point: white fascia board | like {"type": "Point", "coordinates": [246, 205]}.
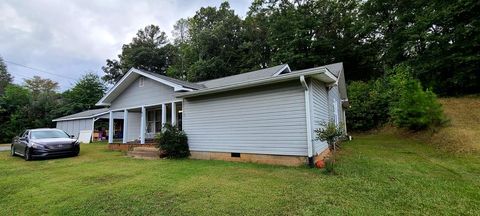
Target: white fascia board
{"type": "Point", "coordinates": [101, 102]}
{"type": "Point", "coordinates": [269, 80]}
{"type": "Point", "coordinates": [77, 118]}
{"type": "Point", "coordinates": [281, 70]}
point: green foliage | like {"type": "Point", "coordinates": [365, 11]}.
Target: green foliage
{"type": "Point", "coordinates": [148, 50]}
{"type": "Point", "coordinates": [398, 98]}
{"type": "Point", "coordinates": [84, 95]}
{"type": "Point", "coordinates": [330, 133]}
{"type": "Point", "coordinates": [329, 166]}
{"type": "Point", "coordinates": [439, 40]}
{"type": "Point", "coordinates": [369, 105]}
{"type": "Point", "coordinates": [33, 105]}
{"type": "Point", "coordinates": [5, 77]}
{"type": "Point", "coordinates": [173, 142]}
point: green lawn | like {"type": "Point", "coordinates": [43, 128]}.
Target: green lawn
{"type": "Point", "coordinates": [378, 175]}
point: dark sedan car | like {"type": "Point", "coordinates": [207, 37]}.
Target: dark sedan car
{"type": "Point", "coordinates": [44, 143]}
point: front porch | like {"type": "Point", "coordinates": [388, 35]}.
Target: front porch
{"type": "Point", "coordinates": [141, 124]}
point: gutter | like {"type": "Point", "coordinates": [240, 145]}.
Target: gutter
{"type": "Point", "coordinates": [308, 115]}
{"type": "Point", "coordinates": [269, 80]}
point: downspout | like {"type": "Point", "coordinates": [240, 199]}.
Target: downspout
{"type": "Point", "coordinates": [308, 120]}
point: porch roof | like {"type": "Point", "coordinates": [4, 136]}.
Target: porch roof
{"type": "Point", "coordinates": [84, 115]}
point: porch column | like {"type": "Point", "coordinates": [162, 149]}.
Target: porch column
{"type": "Point", "coordinates": [143, 123]}
{"type": "Point", "coordinates": [111, 128]}
{"type": "Point", "coordinates": [164, 115]}
{"type": "Point", "coordinates": [125, 126]}
{"type": "Point", "coordinates": [174, 114]}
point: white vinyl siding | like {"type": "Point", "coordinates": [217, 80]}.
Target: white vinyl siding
{"type": "Point", "coordinates": [320, 113]}
{"type": "Point", "coordinates": [152, 92]}
{"type": "Point", "coordinates": [335, 105]}
{"type": "Point", "coordinates": [73, 127]}
{"type": "Point", "coordinates": [261, 120]}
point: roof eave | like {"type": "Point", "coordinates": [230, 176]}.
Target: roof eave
{"type": "Point", "coordinates": [176, 87]}
{"type": "Point", "coordinates": [316, 72]}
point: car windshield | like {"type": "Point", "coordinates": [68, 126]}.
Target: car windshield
{"type": "Point", "coordinates": [42, 134]}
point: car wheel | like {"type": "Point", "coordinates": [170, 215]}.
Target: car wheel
{"type": "Point", "coordinates": [27, 155]}
{"type": "Point", "coordinates": [12, 151]}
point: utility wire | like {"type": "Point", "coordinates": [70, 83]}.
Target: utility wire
{"type": "Point", "coordinates": [36, 69]}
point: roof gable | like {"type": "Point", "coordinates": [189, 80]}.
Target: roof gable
{"type": "Point", "coordinates": [133, 74]}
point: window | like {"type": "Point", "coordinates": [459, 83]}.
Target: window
{"type": "Point", "coordinates": [158, 120]}
{"type": "Point", "coordinates": [335, 111]}
{"type": "Point", "coordinates": [150, 121]}
{"type": "Point", "coordinates": [141, 82]}
{"type": "Point", "coordinates": [154, 121]}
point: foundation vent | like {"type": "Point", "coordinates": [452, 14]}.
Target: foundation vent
{"type": "Point", "coordinates": [235, 154]}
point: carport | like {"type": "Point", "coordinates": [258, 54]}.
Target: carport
{"type": "Point", "coordinates": [95, 120]}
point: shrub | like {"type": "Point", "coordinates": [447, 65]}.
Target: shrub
{"type": "Point", "coordinates": [417, 109]}
{"type": "Point", "coordinates": [398, 98]}
{"type": "Point", "coordinates": [173, 142]}
{"type": "Point", "coordinates": [331, 133]}
{"type": "Point", "coordinates": [411, 107]}
{"type": "Point", "coordinates": [368, 105]}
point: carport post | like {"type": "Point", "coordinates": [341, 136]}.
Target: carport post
{"type": "Point", "coordinates": [125, 126]}
{"type": "Point", "coordinates": [174, 114]}
{"type": "Point", "coordinates": [110, 128]}
{"type": "Point", "coordinates": [164, 115]}
{"type": "Point", "coordinates": [142, 125]}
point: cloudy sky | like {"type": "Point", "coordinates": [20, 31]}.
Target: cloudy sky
{"type": "Point", "coordinates": [62, 39]}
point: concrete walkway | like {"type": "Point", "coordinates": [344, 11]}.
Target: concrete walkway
{"type": "Point", "coordinates": [4, 147]}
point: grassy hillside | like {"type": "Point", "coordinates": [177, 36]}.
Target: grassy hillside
{"type": "Point", "coordinates": [462, 132]}
{"type": "Point", "coordinates": [463, 129]}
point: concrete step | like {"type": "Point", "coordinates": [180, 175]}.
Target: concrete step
{"type": "Point", "coordinates": [144, 155]}
{"type": "Point", "coordinates": [145, 149]}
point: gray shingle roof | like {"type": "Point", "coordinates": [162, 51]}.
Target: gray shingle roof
{"type": "Point", "coordinates": [176, 81]}
{"type": "Point", "coordinates": [243, 77]}
{"type": "Point", "coordinates": [84, 114]}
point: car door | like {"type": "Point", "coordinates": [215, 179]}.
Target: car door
{"type": "Point", "coordinates": [22, 143]}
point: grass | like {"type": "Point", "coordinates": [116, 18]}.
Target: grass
{"type": "Point", "coordinates": [461, 132]}
{"type": "Point", "coordinates": [378, 175]}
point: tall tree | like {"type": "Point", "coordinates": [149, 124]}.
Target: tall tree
{"type": "Point", "coordinates": [39, 85]}
{"type": "Point", "coordinates": [147, 51]}
{"type": "Point", "coordinates": [84, 95]}
{"type": "Point", "coordinates": [14, 111]}
{"type": "Point", "coordinates": [214, 43]}
{"type": "Point", "coordinates": [44, 102]}
{"type": "Point", "coordinates": [5, 77]}
{"type": "Point", "coordinates": [440, 40]}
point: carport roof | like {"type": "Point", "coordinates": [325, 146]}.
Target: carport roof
{"type": "Point", "coordinates": [84, 115]}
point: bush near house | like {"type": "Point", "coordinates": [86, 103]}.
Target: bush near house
{"type": "Point", "coordinates": [173, 142]}
{"type": "Point", "coordinates": [397, 98]}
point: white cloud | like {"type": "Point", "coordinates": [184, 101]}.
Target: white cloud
{"type": "Point", "coordinates": [73, 37]}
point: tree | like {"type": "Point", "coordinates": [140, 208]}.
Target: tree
{"type": "Point", "coordinates": [44, 102]}
{"type": "Point", "coordinates": [213, 48]}
{"type": "Point", "coordinates": [39, 85]}
{"type": "Point", "coordinates": [147, 51]}
{"type": "Point", "coordinates": [84, 95]}
{"type": "Point", "coordinates": [440, 40]}
{"type": "Point", "coordinates": [14, 111]}
{"type": "Point", "coordinates": [5, 77]}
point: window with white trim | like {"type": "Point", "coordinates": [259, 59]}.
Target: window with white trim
{"type": "Point", "coordinates": [141, 82]}
{"type": "Point", "coordinates": [335, 111]}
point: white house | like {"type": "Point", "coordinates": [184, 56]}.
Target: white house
{"type": "Point", "coordinates": [267, 115]}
